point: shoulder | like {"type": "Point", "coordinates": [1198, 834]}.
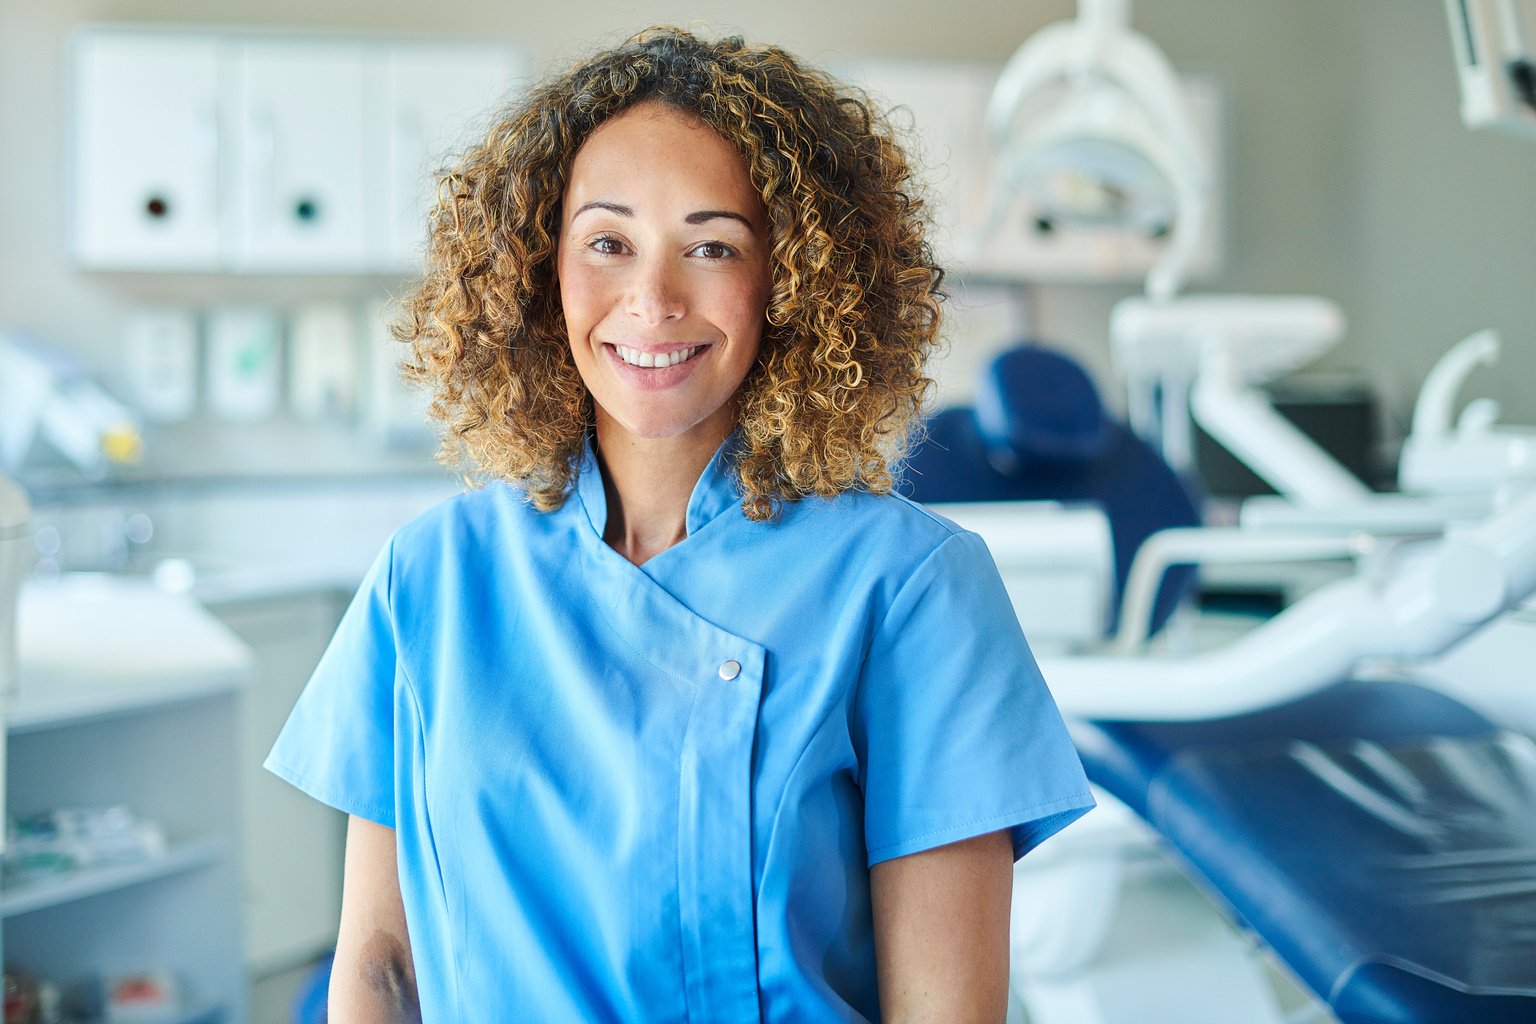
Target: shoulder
{"type": "Point", "coordinates": [467, 525]}
{"type": "Point", "coordinates": [891, 534]}
{"type": "Point", "coordinates": [884, 514]}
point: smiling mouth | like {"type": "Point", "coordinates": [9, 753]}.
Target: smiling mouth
{"type": "Point", "coordinates": [656, 360]}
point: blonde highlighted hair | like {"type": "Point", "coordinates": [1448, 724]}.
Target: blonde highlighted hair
{"type": "Point", "coordinates": [839, 381]}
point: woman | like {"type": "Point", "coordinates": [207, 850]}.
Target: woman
{"type": "Point", "coordinates": [682, 716]}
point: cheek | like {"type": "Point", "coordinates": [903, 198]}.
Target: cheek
{"type": "Point", "coordinates": [747, 306]}
{"type": "Point", "coordinates": [580, 297]}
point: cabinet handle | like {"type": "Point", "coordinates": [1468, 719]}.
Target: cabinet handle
{"type": "Point", "coordinates": [213, 167]}
{"type": "Point", "coordinates": [263, 136]}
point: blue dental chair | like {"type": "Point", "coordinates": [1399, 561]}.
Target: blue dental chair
{"type": "Point", "coordinates": [1038, 432]}
{"type": "Point", "coordinates": [1378, 837]}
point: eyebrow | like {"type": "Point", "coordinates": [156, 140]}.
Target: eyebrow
{"type": "Point", "coordinates": [696, 217]}
{"type": "Point", "coordinates": [602, 204]}
{"type": "Point", "coordinates": [700, 216]}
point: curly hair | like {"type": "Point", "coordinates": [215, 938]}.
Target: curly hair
{"type": "Point", "coordinates": [839, 382]}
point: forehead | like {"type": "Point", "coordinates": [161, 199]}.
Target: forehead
{"type": "Point", "coordinates": [656, 151]}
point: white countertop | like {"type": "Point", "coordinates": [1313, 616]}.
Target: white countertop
{"type": "Point", "coordinates": [95, 645]}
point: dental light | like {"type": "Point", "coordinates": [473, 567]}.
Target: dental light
{"type": "Point", "coordinates": [1091, 132]}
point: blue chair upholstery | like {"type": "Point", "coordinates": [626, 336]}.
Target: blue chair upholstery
{"type": "Point", "coordinates": [1380, 837]}
{"type": "Point", "coordinates": [1037, 408]}
{"type": "Point", "coordinates": [1039, 432]}
{"type": "Point", "coordinates": [950, 462]}
{"type": "Point", "coordinates": [311, 1003]}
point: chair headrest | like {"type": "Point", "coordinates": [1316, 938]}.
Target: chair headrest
{"type": "Point", "coordinates": [1036, 405]}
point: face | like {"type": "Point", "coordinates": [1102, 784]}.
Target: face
{"type": "Point", "coordinates": [664, 275]}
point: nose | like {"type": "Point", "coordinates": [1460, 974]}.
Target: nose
{"type": "Point", "coordinates": [656, 294]}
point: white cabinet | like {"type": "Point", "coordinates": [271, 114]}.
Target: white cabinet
{"type": "Point", "coordinates": [147, 136]}
{"type": "Point", "coordinates": [267, 153]}
{"type": "Point", "coordinates": [438, 96]}
{"type": "Point", "coordinates": [300, 173]}
{"type": "Point", "coordinates": [131, 697]}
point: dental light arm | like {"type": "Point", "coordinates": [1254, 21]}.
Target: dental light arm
{"type": "Point", "coordinates": [1427, 602]}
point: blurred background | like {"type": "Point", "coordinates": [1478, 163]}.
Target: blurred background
{"type": "Point", "coordinates": [206, 208]}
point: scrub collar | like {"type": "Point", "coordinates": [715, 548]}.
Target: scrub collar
{"type": "Point", "coordinates": [715, 492]}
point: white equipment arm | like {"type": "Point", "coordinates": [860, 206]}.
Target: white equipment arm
{"type": "Point", "coordinates": [1228, 345]}
{"type": "Point", "coordinates": [1432, 413]}
{"type": "Point", "coordinates": [1248, 426]}
{"type": "Point", "coordinates": [1206, 546]}
{"type": "Point", "coordinates": [1421, 608]}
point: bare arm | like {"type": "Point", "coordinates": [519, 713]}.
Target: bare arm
{"type": "Point", "coordinates": [941, 932]}
{"type": "Point", "coordinates": [373, 980]}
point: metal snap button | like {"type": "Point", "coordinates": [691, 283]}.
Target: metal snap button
{"type": "Point", "coordinates": [730, 670]}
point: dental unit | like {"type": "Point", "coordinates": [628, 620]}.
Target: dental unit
{"type": "Point", "coordinates": [1345, 782]}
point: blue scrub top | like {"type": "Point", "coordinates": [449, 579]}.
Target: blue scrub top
{"type": "Point", "coordinates": [654, 793]}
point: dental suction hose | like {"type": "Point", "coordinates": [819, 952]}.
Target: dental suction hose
{"type": "Point", "coordinates": [1432, 596]}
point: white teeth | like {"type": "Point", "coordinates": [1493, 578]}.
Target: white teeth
{"type": "Point", "coordinates": [634, 357]}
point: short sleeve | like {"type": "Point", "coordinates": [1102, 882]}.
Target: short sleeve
{"type": "Point", "coordinates": [338, 743]}
{"type": "Point", "coordinates": [956, 732]}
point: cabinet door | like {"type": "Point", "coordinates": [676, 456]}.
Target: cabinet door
{"type": "Point", "coordinates": [300, 114]}
{"type": "Point", "coordinates": [440, 99]}
{"type": "Point", "coordinates": [145, 151]}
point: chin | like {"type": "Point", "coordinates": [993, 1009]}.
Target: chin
{"type": "Point", "coordinates": [663, 427]}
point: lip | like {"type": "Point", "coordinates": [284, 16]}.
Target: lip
{"type": "Point", "coordinates": [653, 378]}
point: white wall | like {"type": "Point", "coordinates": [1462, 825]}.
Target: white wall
{"type": "Point", "coordinates": [1351, 173]}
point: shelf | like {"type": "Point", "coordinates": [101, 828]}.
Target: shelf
{"type": "Point", "coordinates": [76, 705]}
{"type": "Point", "coordinates": [78, 885]}
{"type": "Point", "coordinates": [204, 456]}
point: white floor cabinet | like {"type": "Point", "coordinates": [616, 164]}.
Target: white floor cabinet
{"type": "Point", "coordinates": [132, 699]}
{"type": "Point", "coordinates": [294, 845]}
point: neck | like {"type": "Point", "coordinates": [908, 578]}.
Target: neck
{"type": "Point", "coordinates": [649, 482]}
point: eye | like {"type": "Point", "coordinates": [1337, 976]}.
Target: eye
{"type": "Point", "coordinates": [607, 245]}
{"type": "Point", "coordinates": [713, 250]}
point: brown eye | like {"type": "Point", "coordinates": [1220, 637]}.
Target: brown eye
{"type": "Point", "coordinates": [608, 245]}
{"type": "Point", "coordinates": [714, 250]}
